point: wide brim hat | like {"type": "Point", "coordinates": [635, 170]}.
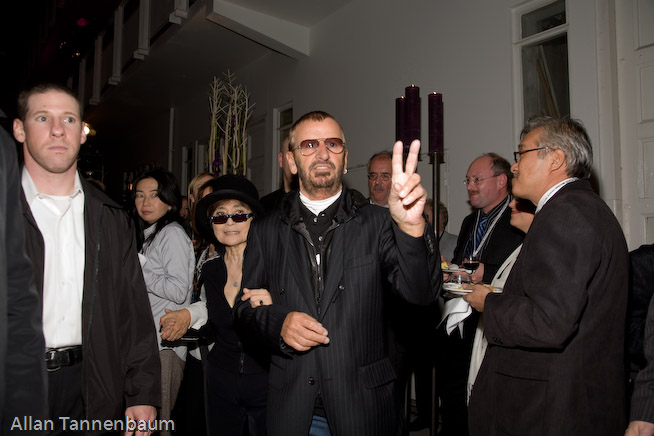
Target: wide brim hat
{"type": "Point", "coordinates": [227, 187]}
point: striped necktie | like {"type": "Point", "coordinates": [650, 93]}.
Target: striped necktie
{"type": "Point", "coordinates": [481, 228]}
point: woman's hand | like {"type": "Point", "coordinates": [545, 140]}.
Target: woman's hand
{"type": "Point", "coordinates": [258, 297]}
{"type": "Point", "coordinates": [174, 324]}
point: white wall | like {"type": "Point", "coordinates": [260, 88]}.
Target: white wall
{"type": "Point", "coordinates": [364, 55]}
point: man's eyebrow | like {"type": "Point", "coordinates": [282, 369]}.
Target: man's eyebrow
{"type": "Point", "coordinates": [44, 111]}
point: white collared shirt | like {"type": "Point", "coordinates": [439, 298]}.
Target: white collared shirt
{"type": "Point", "coordinates": [61, 222]}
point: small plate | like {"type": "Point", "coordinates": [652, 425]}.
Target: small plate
{"type": "Point", "coordinates": [457, 290]}
{"type": "Point", "coordinates": [454, 288]}
{"type": "Point", "coordinates": [452, 269]}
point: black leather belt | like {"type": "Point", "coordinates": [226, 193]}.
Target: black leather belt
{"type": "Point", "coordinates": [55, 358]}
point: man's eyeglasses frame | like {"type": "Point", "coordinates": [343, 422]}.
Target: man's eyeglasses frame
{"type": "Point", "coordinates": [334, 145]}
{"type": "Point", "coordinates": [476, 180]}
{"type": "Point", "coordinates": [517, 154]}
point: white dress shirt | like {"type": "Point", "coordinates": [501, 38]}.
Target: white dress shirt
{"type": "Point", "coordinates": [61, 222]}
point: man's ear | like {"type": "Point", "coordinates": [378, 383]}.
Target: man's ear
{"type": "Point", "coordinates": [19, 131]}
{"type": "Point", "coordinates": [82, 137]}
{"type": "Point", "coordinates": [502, 181]}
{"type": "Point", "coordinates": [290, 158]}
{"type": "Point", "coordinates": [557, 159]}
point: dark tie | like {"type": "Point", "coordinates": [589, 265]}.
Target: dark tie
{"type": "Point", "coordinates": [481, 228]}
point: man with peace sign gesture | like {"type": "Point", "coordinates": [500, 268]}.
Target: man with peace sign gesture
{"type": "Point", "coordinates": [323, 256]}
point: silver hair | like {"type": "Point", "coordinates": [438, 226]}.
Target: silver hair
{"type": "Point", "coordinates": [567, 135]}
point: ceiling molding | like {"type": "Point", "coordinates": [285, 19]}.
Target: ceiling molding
{"type": "Point", "coordinates": [280, 35]}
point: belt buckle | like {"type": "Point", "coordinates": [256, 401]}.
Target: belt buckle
{"type": "Point", "coordinates": [50, 355]}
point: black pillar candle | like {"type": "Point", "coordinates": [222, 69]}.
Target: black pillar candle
{"type": "Point", "coordinates": [412, 115]}
{"type": "Point", "coordinates": [400, 119]}
{"type": "Point", "coordinates": [435, 109]}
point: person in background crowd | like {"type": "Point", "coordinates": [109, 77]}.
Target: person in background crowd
{"type": "Point", "coordinates": [185, 215]}
{"type": "Point", "coordinates": [167, 261]}
{"type": "Point", "coordinates": [642, 401]}
{"type": "Point", "coordinates": [400, 317]}
{"type": "Point", "coordinates": [446, 241]}
{"type": "Point", "coordinates": [189, 412]}
{"type": "Point", "coordinates": [23, 389]}
{"type": "Point", "coordinates": [487, 237]}
{"type": "Point", "coordinates": [101, 350]}
{"type": "Point", "coordinates": [556, 334]}
{"type": "Point", "coordinates": [522, 215]}
{"type": "Point", "coordinates": [379, 178]}
{"type": "Point", "coordinates": [194, 186]}
{"type": "Point", "coordinates": [289, 180]}
{"type": "Point", "coordinates": [641, 290]}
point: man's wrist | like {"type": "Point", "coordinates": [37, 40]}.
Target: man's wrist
{"type": "Point", "coordinates": [415, 230]}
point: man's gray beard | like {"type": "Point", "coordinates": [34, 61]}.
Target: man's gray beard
{"type": "Point", "coordinates": [331, 185]}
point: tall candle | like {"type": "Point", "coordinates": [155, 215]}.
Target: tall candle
{"type": "Point", "coordinates": [412, 114]}
{"type": "Point", "coordinates": [400, 119]}
{"type": "Point", "coordinates": [435, 109]}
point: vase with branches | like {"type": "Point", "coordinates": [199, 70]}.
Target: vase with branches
{"type": "Point", "coordinates": [230, 110]}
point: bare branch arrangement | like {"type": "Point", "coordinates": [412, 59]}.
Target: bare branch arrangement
{"type": "Point", "coordinates": [230, 110]}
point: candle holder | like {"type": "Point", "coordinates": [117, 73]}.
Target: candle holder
{"type": "Point", "coordinates": [436, 149]}
{"type": "Point", "coordinates": [407, 128]}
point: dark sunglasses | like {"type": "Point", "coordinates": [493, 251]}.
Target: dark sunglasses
{"type": "Point", "coordinates": [236, 217]}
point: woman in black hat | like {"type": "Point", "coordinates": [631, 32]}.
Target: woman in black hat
{"type": "Point", "coordinates": [236, 371]}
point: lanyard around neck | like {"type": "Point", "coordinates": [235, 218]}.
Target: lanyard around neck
{"type": "Point", "coordinates": [489, 229]}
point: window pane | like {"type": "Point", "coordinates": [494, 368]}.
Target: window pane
{"type": "Point", "coordinates": [286, 117]}
{"type": "Point", "coordinates": [545, 78]}
{"type": "Point", "coordinates": [543, 18]}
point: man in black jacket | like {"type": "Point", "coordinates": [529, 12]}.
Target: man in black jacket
{"type": "Point", "coordinates": [101, 352]}
{"type": "Point", "coordinates": [324, 256]}
{"type": "Point", "coordinates": [22, 370]}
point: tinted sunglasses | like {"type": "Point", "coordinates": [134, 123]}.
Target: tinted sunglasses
{"type": "Point", "coordinates": [310, 146]}
{"type": "Point", "coordinates": [236, 217]}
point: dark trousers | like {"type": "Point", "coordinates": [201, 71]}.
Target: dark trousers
{"type": "Point", "coordinates": [452, 366]}
{"type": "Point", "coordinates": [234, 400]}
{"type": "Point", "coordinates": [65, 397]}
{"type": "Point", "coordinates": [399, 357]}
{"type": "Point", "coordinates": [188, 413]}
{"type": "Point", "coordinates": [423, 366]}
{"type": "Point", "coordinates": [410, 343]}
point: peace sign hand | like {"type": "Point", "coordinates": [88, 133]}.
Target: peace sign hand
{"type": "Point", "coordinates": [407, 198]}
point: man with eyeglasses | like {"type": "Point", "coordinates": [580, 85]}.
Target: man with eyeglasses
{"type": "Point", "coordinates": [379, 178]}
{"type": "Point", "coordinates": [324, 256]}
{"type": "Point", "coordinates": [407, 325]}
{"type": "Point", "coordinates": [555, 358]}
{"type": "Point", "coordinates": [488, 238]}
